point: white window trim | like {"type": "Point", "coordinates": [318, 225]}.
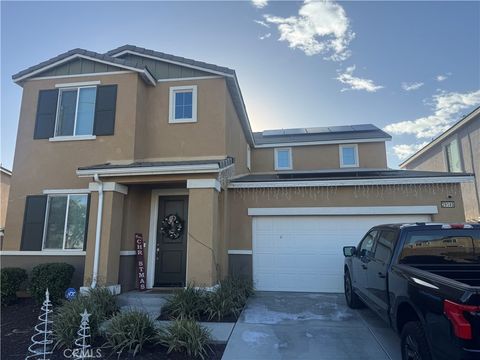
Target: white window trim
{"type": "Point", "coordinates": [78, 84]}
{"type": "Point", "coordinates": [249, 157]}
{"type": "Point", "coordinates": [71, 137]}
{"type": "Point", "coordinates": [47, 211]}
{"type": "Point", "coordinates": [290, 161]}
{"type": "Point", "coordinates": [171, 106]}
{"type": "Point", "coordinates": [340, 149]}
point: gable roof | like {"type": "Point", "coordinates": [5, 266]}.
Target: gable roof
{"type": "Point", "coordinates": [475, 114]}
{"type": "Point", "coordinates": [319, 135]}
{"type": "Point", "coordinates": [90, 55]}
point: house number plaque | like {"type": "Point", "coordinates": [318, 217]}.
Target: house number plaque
{"type": "Point", "coordinates": [447, 204]}
{"type": "Point", "coordinates": [142, 286]}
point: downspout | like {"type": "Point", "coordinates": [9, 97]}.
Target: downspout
{"type": "Point", "coordinates": [98, 232]}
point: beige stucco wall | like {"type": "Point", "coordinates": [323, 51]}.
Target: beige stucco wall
{"type": "Point", "coordinates": [236, 143]}
{"type": "Point", "coordinates": [42, 164]}
{"type": "Point", "coordinates": [434, 159]}
{"type": "Point", "coordinates": [157, 138]}
{"type": "Point", "coordinates": [240, 224]}
{"type": "Point", "coordinates": [321, 157]}
{"type": "Point", "coordinates": [4, 190]}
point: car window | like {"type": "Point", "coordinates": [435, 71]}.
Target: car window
{"type": "Point", "coordinates": [441, 247]}
{"type": "Point", "coordinates": [385, 244]}
{"type": "Point", "coordinates": [366, 246]}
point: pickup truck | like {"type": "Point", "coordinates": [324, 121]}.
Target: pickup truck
{"type": "Point", "coordinates": [424, 280]}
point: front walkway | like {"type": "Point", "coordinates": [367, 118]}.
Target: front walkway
{"type": "Point", "coordinates": [309, 326]}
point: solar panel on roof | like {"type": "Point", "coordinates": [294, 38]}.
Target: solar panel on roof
{"type": "Point", "coordinates": [364, 127]}
{"type": "Point", "coordinates": [272, 132]}
{"type": "Point", "coordinates": [317, 130]}
{"type": "Point", "coordinates": [340, 128]}
{"type": "Point", "coordinates": [295, 131]}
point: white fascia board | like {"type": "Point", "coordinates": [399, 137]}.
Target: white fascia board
{"type": "Point", "coordinates": [351, 182]}
{"type": "Point", "coordinates": [43, 253]}
{"type": "Point", "coordinates": [30, 74]}
{"type": "Point", "coordinates": [81, 75]}
{"type": "Point", "coordinates": [171, 62]}
{"type": "Point", "coordinates": [66, 191]}
{"type": "Point", "coordinates": [153, 170]}
{"type": "Point", "coordinates": [204, 184]}
{"type": "Point", "coordinates": [240, 252]}
{"type": "Point", "coordinates": [326, 142]}
{"type": "Point", "coordinates": [353, 210]}
{"type": "Point", "coordinates": [109, 186]}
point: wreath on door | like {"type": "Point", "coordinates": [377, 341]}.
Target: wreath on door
{"type": "Point", "coordinates": [172, 226]}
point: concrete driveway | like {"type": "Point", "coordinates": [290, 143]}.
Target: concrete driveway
{"type": "Point", "coordinates": [278, 325]}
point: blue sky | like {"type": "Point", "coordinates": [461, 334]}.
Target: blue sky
{"type": "Point", "coordinates": [411, 68]}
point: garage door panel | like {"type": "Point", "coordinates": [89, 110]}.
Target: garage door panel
{"type": "Point", "coordinates": [304, 253]}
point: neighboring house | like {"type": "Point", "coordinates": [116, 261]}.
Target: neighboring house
{"type": "Point", "coordinates": [457, 150]}
{"type": "Point", "coordinates": [5, 176]}
{"type": "Point", "coordinates": [138, 141]}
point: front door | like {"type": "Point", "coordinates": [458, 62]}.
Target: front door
{"type": "Point", "coordinates": [171, 250]}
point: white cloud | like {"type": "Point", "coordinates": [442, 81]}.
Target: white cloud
{"type": "Point", "coordinates": [403, 151]}
{"type": "Point", "coordinates": [266, 36]}
{"type": "Point", "coordinates": [356, 83]}
{"type": "Point", "coordinates": [263, 23]}
{"type": "Point", "coordinates": [320, 28]}
{"type": "Point", "coordinates": [442, 77]}
{"type": "Point", "coordinates": [412, 86]}
{"type": "Point", "coordinates": [260, 4]}
{"type": "Point", "coordinates": [446, 109]}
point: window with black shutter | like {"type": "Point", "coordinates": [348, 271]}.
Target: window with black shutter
{"type": "Point", "coordinates": [105, 110]}
{"type": "Point", "coordinates": [33, 223]}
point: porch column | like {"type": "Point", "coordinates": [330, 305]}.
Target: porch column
{"type": "Point", "coordinates": [110, 238]}
{"type": "Point", "coordinates": [203, 231]}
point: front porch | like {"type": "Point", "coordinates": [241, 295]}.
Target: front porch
{"type": "Point", "coordinates": [181, 218]}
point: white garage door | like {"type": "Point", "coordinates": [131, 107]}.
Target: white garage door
{"type": "Point", "coordinates": [304, 253]}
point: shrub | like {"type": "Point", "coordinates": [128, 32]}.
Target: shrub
{"type": "Point", "coordinates": [186, 303]}
{"type": "Point", "coordinates": [229, 299]}
{"type": "Point", "coordinates": [99, 302]}
{"type": "Point", "coordinates": [186, 335]}
{"type": "Point", "coordinates": [129, 331]}
{"type": "Point", "coordinates": [11, 281]}
{"type": "Point", "coordinates": [54, 276]}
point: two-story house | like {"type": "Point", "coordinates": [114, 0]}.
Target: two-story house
{"type": "Point", "coordinates": [138, 141]}
{"type": "Point", "coordinates": [456, 150]}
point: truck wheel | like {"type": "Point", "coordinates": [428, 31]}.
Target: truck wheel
{"type": "Point", "coordinates": [414, 342]}
{"type": "Point", "coordinates": [353, 301]}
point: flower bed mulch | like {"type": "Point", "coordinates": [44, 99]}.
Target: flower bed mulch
{"type": "Point", "coordinates": [18, 320]}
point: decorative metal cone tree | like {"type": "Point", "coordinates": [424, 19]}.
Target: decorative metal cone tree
{"type": "Point", "coordinates": [82, 343]}
{"type": "Point", "coordinates": [42, 340]}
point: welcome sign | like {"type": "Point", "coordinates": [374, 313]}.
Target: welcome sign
{"type": "Point", "coordinates": [142, 285]}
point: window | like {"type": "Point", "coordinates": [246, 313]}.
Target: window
{"type": "Point", "coordinates": [283, 159]}
{"type": "Point", "coordinates": [349, 155]}
{"type": "Point", "coordinates": [76, 111]}
{"type": "Point", "coordinates": [366, 247]}
{"type": "Point", "coordinates": [452, 155]}
{"type": "Point", "coordinates": [385, 244]}
{"type": "Point", "coordinates": [65, 222]}
{"type": "Point", "coordinates": [249, 157]}
{"type": "Point", "coordinates": [183, 104]}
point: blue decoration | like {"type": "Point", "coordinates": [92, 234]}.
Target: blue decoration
{"type": "Point", "coordinates": [70, 293]}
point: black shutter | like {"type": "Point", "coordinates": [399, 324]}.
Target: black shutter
{"type": "Point", "coordinates": [46, 114]}
{"type": "Point", "coordinates": [33, 222]}
{"type": "Point", "coordinates": [87, 217]}
{"type": "Point", "coordinates": [105, 105]}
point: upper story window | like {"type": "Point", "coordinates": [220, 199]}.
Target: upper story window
{"type": "Point", "coordinates": [65, 222]}
{"type": "Point", "coordinates": [283, 159]}
{"type": "Point", "coordinates": [183, 104]}
{"type": "Point", "coordinates": [349, 155]}
{"type": "Point", "coordinates": [452, 156]}
{"type": "Point", "coordinates": [76, 111]}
